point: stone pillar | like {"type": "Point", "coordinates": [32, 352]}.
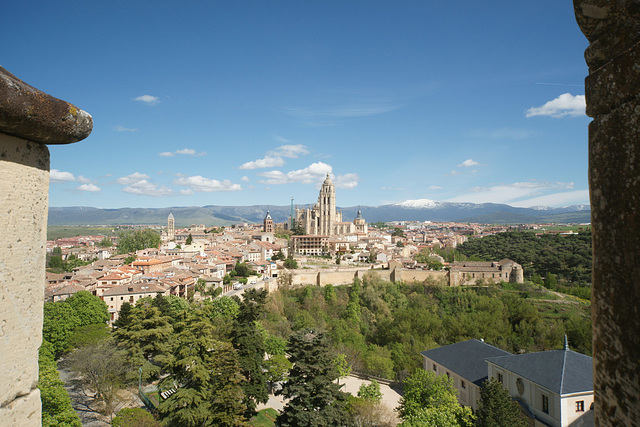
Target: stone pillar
{"type": "Point", "coordinates": [29, 119]}
{"type": "Point", "coordinates": [612, 91]}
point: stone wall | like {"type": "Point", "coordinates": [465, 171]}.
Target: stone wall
{"type": "Point", "coordinates": [612, 90]}
{"type": "Point", "coordinates": [24, 194]}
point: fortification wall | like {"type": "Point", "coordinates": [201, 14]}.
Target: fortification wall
{"type": "Point", "coordinates": [407, 275]}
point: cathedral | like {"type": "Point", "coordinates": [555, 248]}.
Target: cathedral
{"type": "Point", "coordinates": [323, 220]}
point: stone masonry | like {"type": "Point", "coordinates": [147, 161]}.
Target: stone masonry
{"type": "Point", "coordinates": [612, 90]}
{"type": "Point", "coordinates": [29, 119]}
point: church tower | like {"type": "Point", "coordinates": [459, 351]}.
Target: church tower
{"type": "Point", "coordinates": [267, 224]}
{"type": "Point", "coordinates": [171, 227]}
{"type": "Point", "coordinates": [327, 207]}
{"type": "Point", "coordinates": [360, 223]}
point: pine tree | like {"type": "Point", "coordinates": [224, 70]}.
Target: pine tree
{"type": "Point", "coordinates": [496, 409]}
{"type": "Point", "coordinates": [248, 340]}
{"type": "Point", "coordinates": [206, 376]}
{"type": "Point", "coordinates": [314, 397]}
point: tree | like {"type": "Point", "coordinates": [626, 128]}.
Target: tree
{"type": "Point", "coordinates": [278, 256]}
{"type": "Point", "coordinates": [248, 341]}
{"type": "Point", "coordinates": [243, 270]}
{"type": "Point", "coordinates": [89, 308]}
{"type": "Point", "coordinates": [298, 229]}
{"type": "Point", "coordinates": [206, 376]}
{"type": "Point", "coordinates": [124, 316]}
{"type": "Point", "coordinates": [370, 391]}
{"type": "Point", "coordinates": [277, 367]}
{"type": "Point", "coordinates": [495, 407]}
{"type": "Point", "coordinates": [431, 399]}
{"type": "Point", "coordinates": [134, 417]}
{"type": "Point", "coordinates": [342, 366]}
{"type": "Point", "coordinates": [290, 264]}
{"type": "Point", "coordinates": [314, 397]}
{"type": "Point", "coordinates": [106, 242]}
{"type": "Point", "coordinates": [147, 338]}
{"type": "Point", "coordinates": [56, 404]}
{"type": "Point", "coordinates": [60, 319]}
{"type": "Point", "coordinates": [90, 334]}
{"type": "Point", "coordinates": [103, 368]}
{"type": "Point", "coordinates": [135, 240]}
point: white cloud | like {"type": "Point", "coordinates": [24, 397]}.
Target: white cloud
{"type": "Point", "coordinates": [348, 181]}
{"type": "Point", "coordinates": [275, 158]}
{"type": "Point", "coordinates": [435, 187]}
{"type": "Point", "coordinates": [184, 151]}
{"type": "Point", "coordinates": [566, 198]}
{"type": "Point", "coordinates": [245, 178]}
{"type": "Point", "coordinates": [187, 151]}
{"type": "Point", "coordinates": [511, 193]}
{"type": "Point", "coordinates": [133, 178]}
{"type": "Point", "coordinates": [119, 128]}
{"type": "Point", "coordinates": [89, 187]}
{"type": "Point", "coordinates": [148, 99]}
{"type": "Point", "coordinates": [146, 188]}
{"type": "Point", "coordinates": [292, 151]}
{"type": "Point", "coordinates": [186, 192]}
{"type": "Point", "coordinates": [468, 163]}
{"type": "Point", "coordinates": [206, 185]}
{"type": "Point", "coordinates": [312, 174]}
{"type": "Point", "coordinates": [566, 105]}
{"type": "Point", "coordinates": [81, 179]}
{"type": "Point", "coordinates": [267, 162]}
{"type": "Point", "coordinates": [59, 176]}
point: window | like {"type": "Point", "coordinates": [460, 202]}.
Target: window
{"type": "Point", "coordinates": [462, 384]}
{"type": "Point", "coordinates": [435, 368]}
{"type": "Point", "coordinates": [580, 406]}
{"type": "Point", "coordinates": [545, 404]}
{"type": "Point", "coordinates": [111, 298]}
{"type": "Point", "coordinates": [500, 378]}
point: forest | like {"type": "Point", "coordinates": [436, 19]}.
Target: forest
{"type": "Point", "coordinates": [372, 327]}
{"type": "Point", "coordinates": [568, 257]}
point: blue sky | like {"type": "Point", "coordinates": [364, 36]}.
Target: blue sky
{"type": "Point", "coordinates": [253, 102]}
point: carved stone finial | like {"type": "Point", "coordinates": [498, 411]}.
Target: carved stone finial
{"type": "Point", "coordinates": [30, 114]}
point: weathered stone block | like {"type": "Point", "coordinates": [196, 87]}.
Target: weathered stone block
{"type": "Point", "coordinates": [22, 412]}
{"type": "Point", "coordinates": [614, 175]}
{"type": "Point", "coordinates": [23, 206]}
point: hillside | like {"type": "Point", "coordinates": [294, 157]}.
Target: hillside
{"type": "Point", "coordinates": [487, 213]}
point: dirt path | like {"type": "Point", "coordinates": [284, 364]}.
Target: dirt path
{"type": "Point", "coordinates": [81, 399]}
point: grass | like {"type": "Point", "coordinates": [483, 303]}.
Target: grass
{"type": "Point", "coordinates": [62, 231]}
{"type": "Point", "coordinates": [265, 418]}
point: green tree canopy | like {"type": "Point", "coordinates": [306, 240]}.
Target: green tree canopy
{"type": "Point", "coordinates": [431, 399]}
{"type": "Point", "coordinates": [290, 264]}
{"type": "Point", "coordinates": [314, 397]}
{"type": "Point", "coordinates": [206, 375]}
{"type": "Point", "coordinates": [89, 308]}
{"type": "Point", "coordinates": [496, 409]}
{"type": "Point", "coordinates": [135, 240]}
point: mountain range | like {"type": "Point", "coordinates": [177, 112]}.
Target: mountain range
{"type": "Point", "coordinates": [410, 210]}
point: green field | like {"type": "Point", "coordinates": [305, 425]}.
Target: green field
{"type": "Point", "coordinates": [265, 418]}
{"type": "Point", "coordinates": [62, 231]}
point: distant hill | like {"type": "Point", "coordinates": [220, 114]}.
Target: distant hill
{"type": "Point", "coordinates": [410, 210]}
